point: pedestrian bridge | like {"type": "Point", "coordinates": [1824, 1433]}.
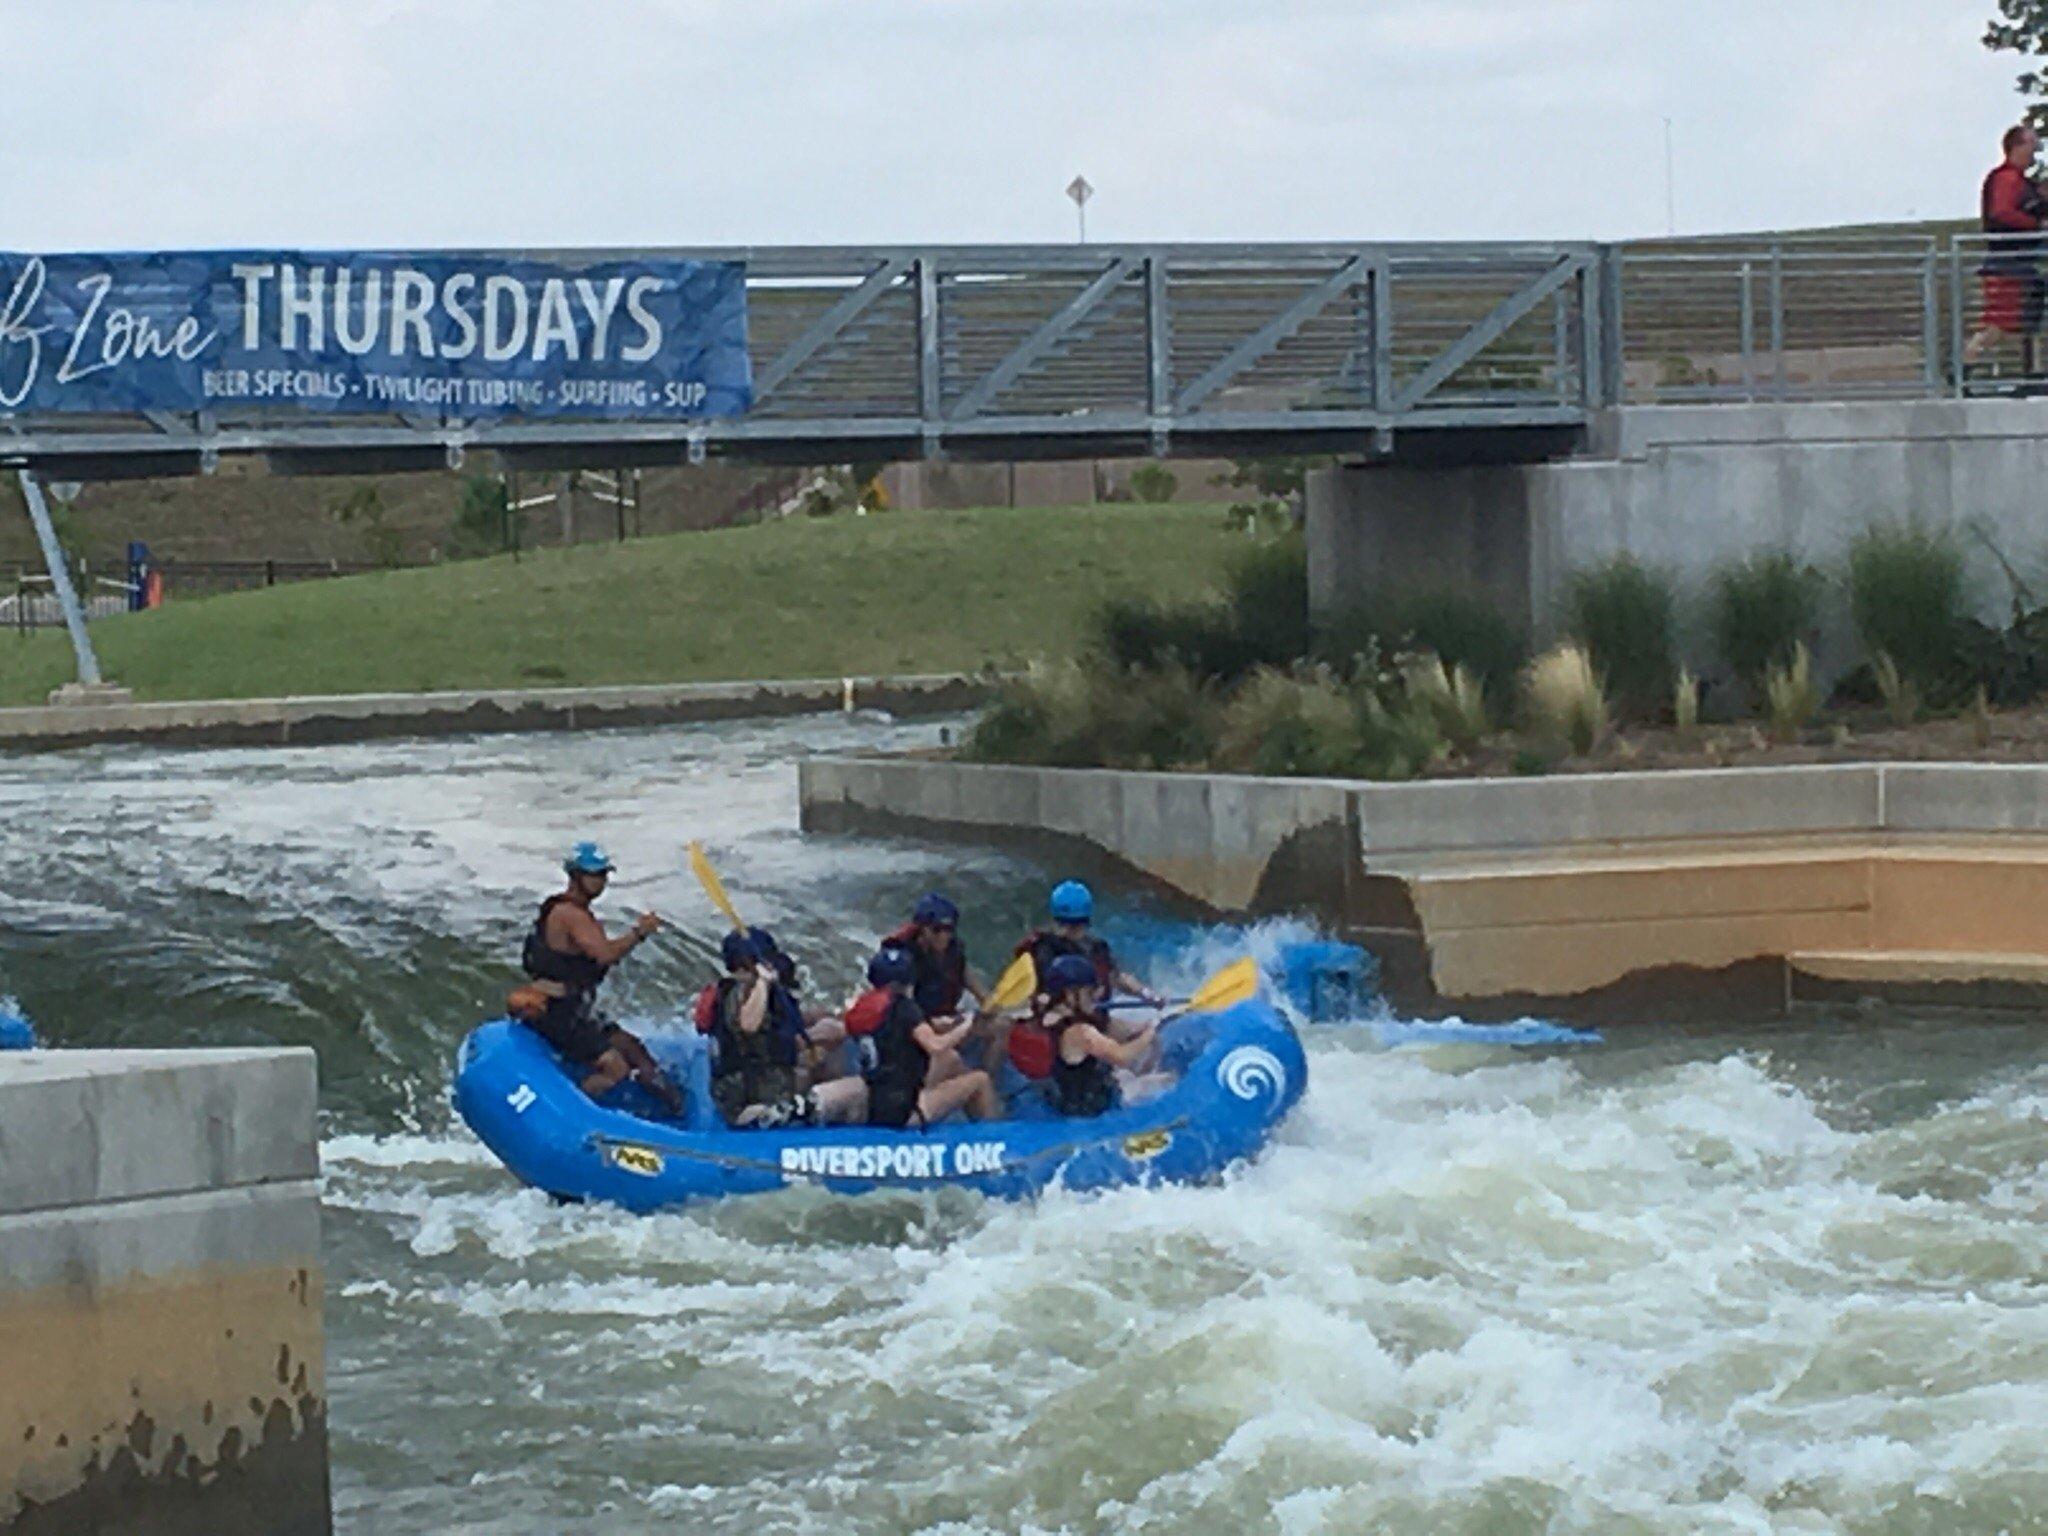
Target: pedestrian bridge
{"type": "Point", "coordinates": [1445, 353]}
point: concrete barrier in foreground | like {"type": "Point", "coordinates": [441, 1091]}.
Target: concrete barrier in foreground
{"type": "Point", "coordinates": [161, 1365]}
{"type": "Point", "coordinates": [316, 719]}
{"type": "Point", "coordinates": [1600, 895]}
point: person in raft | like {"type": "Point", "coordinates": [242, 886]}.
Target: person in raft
{"type": "Point", "coordinates": [567, 956]}
{"type": "Point", "coordinates": [1091, 1071]}
{"type": "Point", "coordinates": [1072, 909]}
{"type": "Point", "coordinates": [820, 1029]}
{"type": "Point", "coordinates": [911, 1063]}
{"type": "Point", "coordinates": [756, 1029]}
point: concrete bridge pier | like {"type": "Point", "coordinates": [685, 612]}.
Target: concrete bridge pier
{"type": "Point", "coordinates": [1687, 489]}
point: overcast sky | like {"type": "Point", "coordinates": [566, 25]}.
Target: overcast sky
{"type": "Point", "coordinates": [356, 123]}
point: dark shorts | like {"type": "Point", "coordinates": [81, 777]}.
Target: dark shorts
{"type": "Point", "coordinates": [735, 1092]}
{"type": "Point", "coordinates": [580, 1034]}
{"type": "Point", "coordinates": [892, 1107]}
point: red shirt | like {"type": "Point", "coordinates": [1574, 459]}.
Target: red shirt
{"type": "Point", "coordinates": [2008, 197]}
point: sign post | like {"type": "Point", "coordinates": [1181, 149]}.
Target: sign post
{"type": "Point", "coordinates": [1079, 190]}
{"type": "Point", "coordinates": [60, 581]}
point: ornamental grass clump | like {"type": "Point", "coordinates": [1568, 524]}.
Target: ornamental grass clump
{"type": "Point", "coordinates": [1901, 698]}
{"type": "Point", "coordinates": [1451, 696]}
{"type": "Point", "coordinates": [1760, 609]}
{"type": "Point", "coordinates": [1460, 628]}
{"type": "Point", "coordinates": [1909, 598]}
{"type": "Point", "coordinates": [1295, 723]}
{"type": "Point", "coordinates": [1791, 700]}
{"type": "Point", "coordinates": [1621, 613]}
{"type": "Point", "coordinates": [1685, 702]}
{"type": "Point", "coordinates": [1567, 701]}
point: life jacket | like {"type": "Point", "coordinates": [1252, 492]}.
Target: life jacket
{"type": "Point", "coordinates": [868, 1011]}
{"type": "Point", "coordinates": [1034, 1044]}
{"type": "Point", "coordinates": [577, 975]}
{"type": "Point", "coordinates": [1081, 1088]}
{"type": "Point", "coordinates": [891, 1060]}
{"type": "Point", "coordinates": [747, 1067]}
{"type": "Point", "coordinates": [941, 979]}
{"type": "Point", "coordinates": [716, 1013]}
{"type": "Point", "coordinates": [1045, 946]}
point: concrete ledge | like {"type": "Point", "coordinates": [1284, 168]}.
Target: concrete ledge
{"type": "Point", "coordinates": [160, 1314]}
{"type": "Point", "coordinates": [1564, 893]}
{"type": "Point", "coordinates": [315, 719]}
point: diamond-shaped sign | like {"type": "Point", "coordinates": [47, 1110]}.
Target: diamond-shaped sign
{"type": "Point", "coordinates": [1079, 190]}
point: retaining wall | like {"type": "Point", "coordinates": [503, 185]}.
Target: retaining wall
{"type": "Point", "coordinates": [160, 1295]}
{"type": "Point", "coordinates": [312, 720]}
{"type": "Point", "coordinates": [1600, 894]}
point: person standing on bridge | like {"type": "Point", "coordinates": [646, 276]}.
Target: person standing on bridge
{"type": "Point", "coordinates": [2011, 206]}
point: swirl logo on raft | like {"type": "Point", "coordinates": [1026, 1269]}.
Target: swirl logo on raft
{"type": "Point", "coordinates": [1252, 1070]}
{"type": "Point", "coordinates": [908, 1161]}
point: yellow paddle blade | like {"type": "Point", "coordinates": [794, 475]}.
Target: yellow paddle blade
{"type": "Point", "coordinates": [1236, 983]}
{"type": "Point", "coordinates": [713, 886]}
{"type": "Point", "coordinates": [1014, 987]}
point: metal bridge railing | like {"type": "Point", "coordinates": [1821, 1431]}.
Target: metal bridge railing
{"type": "Point", "coordinates": [1832, 319]}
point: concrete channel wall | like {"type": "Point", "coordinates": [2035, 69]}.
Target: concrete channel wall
{"type": "Point", "coordinates": [161, 1366]}
{"type": "Point", "coordinates": [313, 720]}
{"type": "Point", "coordinates": [1603, 894]}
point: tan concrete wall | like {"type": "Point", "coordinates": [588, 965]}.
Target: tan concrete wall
{"type": "Point", "coordinates": [160, 1295]}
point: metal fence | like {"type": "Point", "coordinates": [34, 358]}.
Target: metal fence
{"type": "Point", "coordinates": [1828, 318]}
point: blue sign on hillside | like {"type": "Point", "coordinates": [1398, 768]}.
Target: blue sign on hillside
{"type": "Point", "coordinates": [445, 336]}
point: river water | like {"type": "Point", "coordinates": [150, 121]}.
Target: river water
{"type": "Point", "coordinates": [1743, 1279]}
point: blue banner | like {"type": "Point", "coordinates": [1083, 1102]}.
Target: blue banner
{"type": "Point", "coordinates": [447, 336]}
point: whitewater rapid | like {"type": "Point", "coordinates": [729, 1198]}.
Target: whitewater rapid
{"type": "Point", "coordinates": [1733, 1279]}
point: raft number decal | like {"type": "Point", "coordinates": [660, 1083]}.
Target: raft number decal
{"type": "Point", "coordinates": [1252, 1070]}
{"type": "Point", "coordinates": [928, 1160]}
{"type": "Point", "coordinates": [521, 1099]}
{"type": "Point", "coordinates": [644, 1161]}
{"type": "Point", "coordinates": [1145, 1145]}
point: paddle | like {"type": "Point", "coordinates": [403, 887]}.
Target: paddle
{"type": "Point", "coordinates": [713, 886]}
{"type": "Point", "coordinates": [1014, 987]}
{"type": "Point", "coordinates": [1237, 982]}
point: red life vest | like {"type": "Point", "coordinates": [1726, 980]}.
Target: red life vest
{"type": "Point", "coordinates": [869, 1011]}
{"type": "Point", "coordinates": [705, 1014]}
{"type": "Point", "coordinates": [1032, 1049]}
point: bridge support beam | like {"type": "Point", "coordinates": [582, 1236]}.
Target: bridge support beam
{"type": "Point", "coordinates": [1687, 489]}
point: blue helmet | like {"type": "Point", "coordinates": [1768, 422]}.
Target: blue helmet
{"type": "Point", "coordinates": [1072, 902]}
{"type": "Point", "coordinates": [892, 966]}
{"type": "Point", "coordinates": [775, 955]}
{"type": "Point", "coordinates": [739, 950]}
{"type": "Point", "coordinates": [587, 859]}
{"type": "Point", "coordinates": [1069, 972]}
{"type": "Point", "coordinates": [934, 911]}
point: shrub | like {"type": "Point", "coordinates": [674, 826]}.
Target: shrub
{"type": "Point", "coordinates": [1790, 698]}
{"type": "Point", "coordinates": [1567, 701]}
{"type": "Point", "coordinates": [1621, 613]}
{"type": "Point", "coordinates": [1761, 610]}
{"type": "Point", "coordinates": [1154, 483]}
{"type": "Point", "coordinates": [1459, 628]}
{"type": "Point", "coordinates": [1074, 715]}
{"type": "Point", "coordinates": [1291, 723]}
{"type": "Point", "coordinates": [1261, 621]}
{"type": "Point", "coordinates": [1396, 743]}
{"type": "Point", "coordinates": [1907, 595]}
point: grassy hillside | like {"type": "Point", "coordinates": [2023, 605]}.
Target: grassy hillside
{"type": "Point", "coordinates": [896, 592]}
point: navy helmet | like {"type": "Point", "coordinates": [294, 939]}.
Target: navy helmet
{"type": "Point", "coordinates": [892, 966]}
{"type": "Point", "coordinates": [1072, 902]}
{"type": "Point", "coordinates": [739, 951]}
{"type": "Point", "coordinates": [934, 911]}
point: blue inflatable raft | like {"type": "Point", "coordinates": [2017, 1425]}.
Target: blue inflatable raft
{"type": "Point", "coordinates": [16, 1033]}
{"type": "Point", "coordinates": [1241, 1071]}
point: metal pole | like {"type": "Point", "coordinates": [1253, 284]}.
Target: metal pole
{"type": "Point", "coordinates": [1930, 322]}
{"type": "Point", "coordinates": [1956, 322]}
{"type": "Point", "coordinates": [60, 578]}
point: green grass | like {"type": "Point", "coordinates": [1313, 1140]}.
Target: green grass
{"type": "Point", "coordinates": [892, 593]}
